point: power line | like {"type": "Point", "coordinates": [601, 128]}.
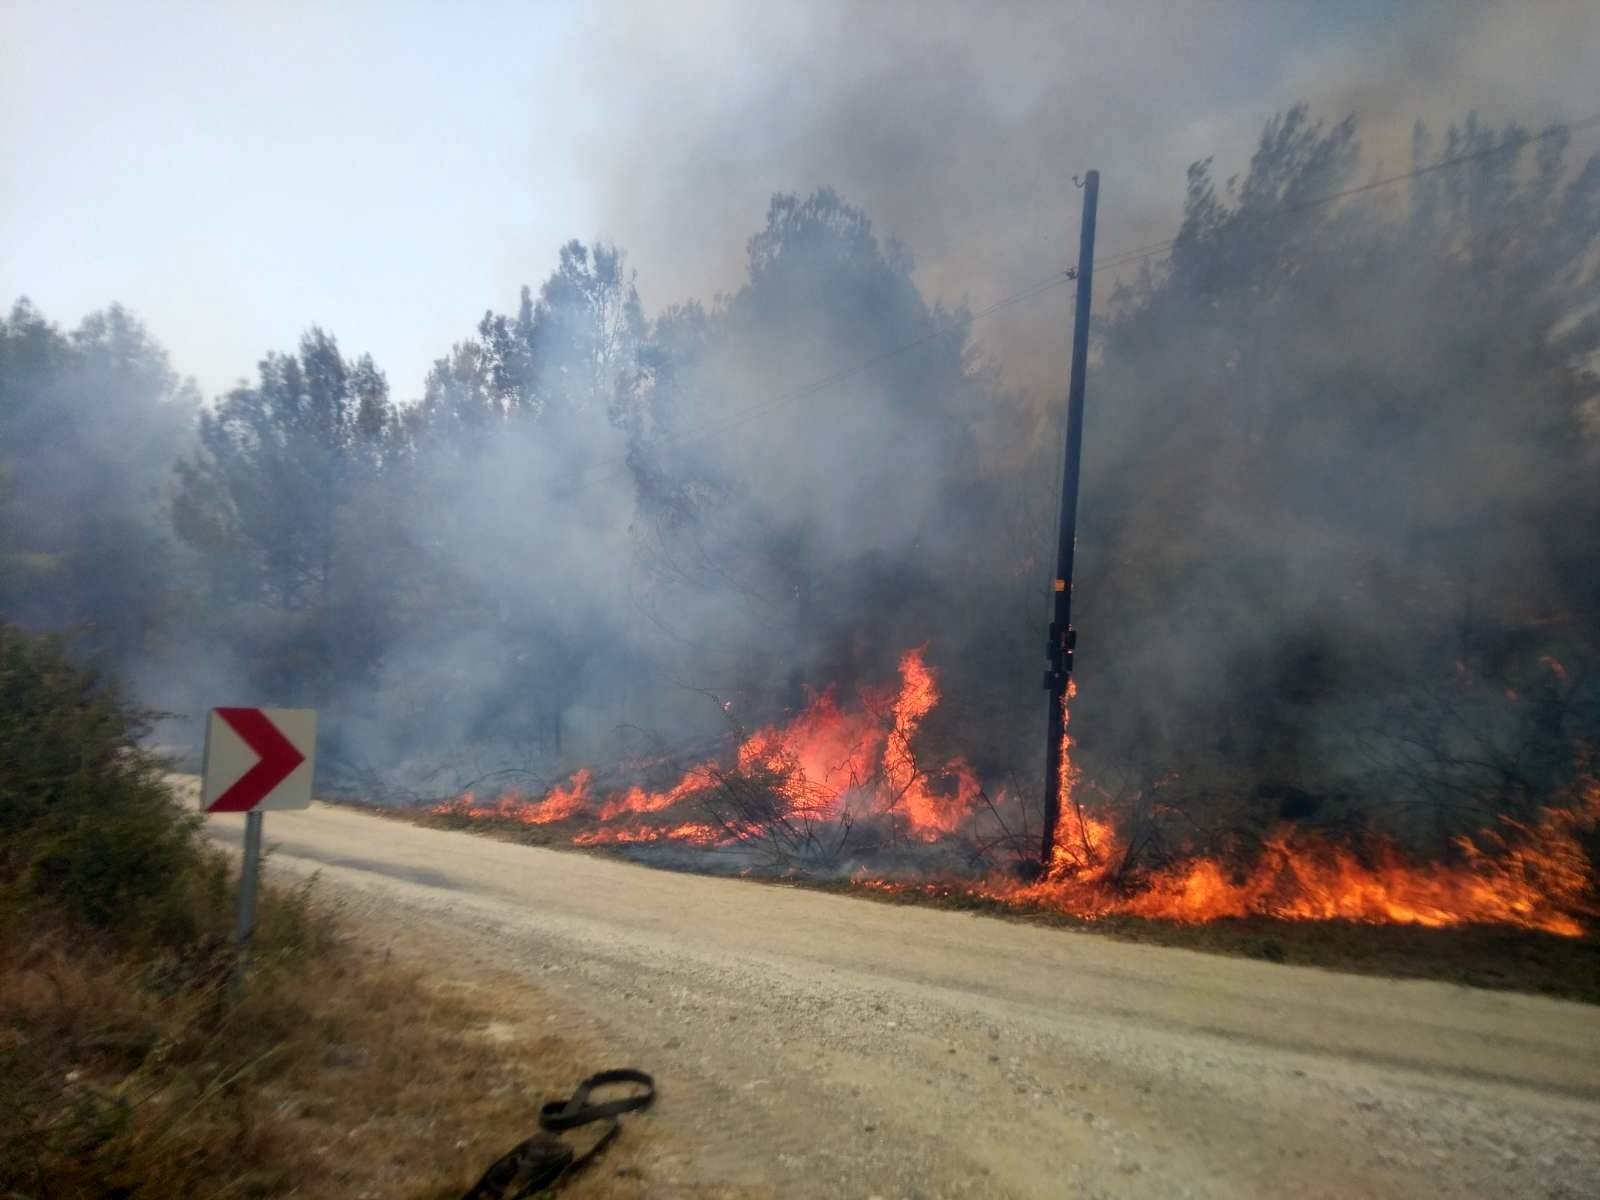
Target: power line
{"type": "Point", "coordinates": [1504, 148]}
{"type": "Point", "coordinates": [1118, 258]}
{"type": "Point", "coordinates": [1153, 248]}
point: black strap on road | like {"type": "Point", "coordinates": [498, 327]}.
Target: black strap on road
{"type": "Point", "coordinates": [543, 1160]}
{"type": "Point", "coordinates": [569, 1114]}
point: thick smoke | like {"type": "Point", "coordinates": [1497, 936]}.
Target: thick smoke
{"type": "Point", "coordinates": [1330, 519]}
{"type": "Point", "coordinates": [1337, 476]}
{"type": "Point", "coordinates": [963, 132]}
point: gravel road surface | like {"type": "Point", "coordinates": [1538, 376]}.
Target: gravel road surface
{"type": "Point", "coordinates": [817, 1045]}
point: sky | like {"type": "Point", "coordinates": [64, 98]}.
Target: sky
{"type": "Point", "coordinates": [236, 173]}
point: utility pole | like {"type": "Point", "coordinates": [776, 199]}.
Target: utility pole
{"type": "Point", "coordinates": [1063, 638]}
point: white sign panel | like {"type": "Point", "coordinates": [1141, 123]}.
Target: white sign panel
{"type": "Point", "coordinates": [258, 759]}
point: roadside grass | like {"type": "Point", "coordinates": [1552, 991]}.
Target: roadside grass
{"type": "Point", "coordinates": [136, 1062]}
{"type": "Point", "coordinates": [330, 1072]}
{"type": "Point", "coordinates": [1483, 956]}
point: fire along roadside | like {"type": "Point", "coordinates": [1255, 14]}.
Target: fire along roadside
{"type": "Point", "coordinates": [256, 759]}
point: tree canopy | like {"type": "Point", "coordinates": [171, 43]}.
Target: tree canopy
{"type": "Point", "coordinates": [1340, 541]}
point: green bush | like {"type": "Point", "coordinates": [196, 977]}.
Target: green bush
{"type": "Point", "coordinates": [85, 819]}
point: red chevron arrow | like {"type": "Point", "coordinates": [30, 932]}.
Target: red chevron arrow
{"type": "Point", "coordinates": [279, 758]}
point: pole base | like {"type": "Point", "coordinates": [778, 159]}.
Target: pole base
{"type": "Point", "coordinates": [1029, 870]}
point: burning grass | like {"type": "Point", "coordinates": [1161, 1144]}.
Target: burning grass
{"type": "Point", "coordinates": [1535, 877]}
{"type": "Point", "coordinates": [840, 783]}
{"type": "Point", "coordinates": [840, 793]}
{"type": "Point", "coordinates": [834, 776]}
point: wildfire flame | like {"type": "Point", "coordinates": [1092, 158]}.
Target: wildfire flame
{"type": "Point", "coordinates": [561, 803]}
{"type": "Point", "coordinates": [1533, 876]}
{"type": "Point", "coordinates": [637, 800]}
{"type": "Point", "coordinates": [819, 762]}
{"type": "Point", "coordinates": [929, 813]}
{"type": "Point", "coordinates": [834, 762]}
{"type": "Point", "coordinates": [623, 836]}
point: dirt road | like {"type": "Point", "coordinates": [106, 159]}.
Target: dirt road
{"type": "Point", "coordinates": [814, 1045]}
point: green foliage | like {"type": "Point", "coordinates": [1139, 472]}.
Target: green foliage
{"type": "Point", "coordinates": [85, 821]}
{"type": "Point", "coordinates": [278, 464]}
{"type": "Point", "coordinates": [557, 362]}
{"type": "Point", "coordinates": [91, 422]}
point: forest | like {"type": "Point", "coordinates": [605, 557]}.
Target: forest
{"type": "Point", "coordinates": [1339, 541]}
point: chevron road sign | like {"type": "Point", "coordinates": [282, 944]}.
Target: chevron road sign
{"type": "Point", "coordinates": [256, 759]}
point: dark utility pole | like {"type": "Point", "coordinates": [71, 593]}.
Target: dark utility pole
{"type": "Point", "coordinates": [1062, 636]}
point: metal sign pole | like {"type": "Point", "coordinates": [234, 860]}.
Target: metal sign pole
{"type": "Point", "coordinates": [256, 759]}
{"type": "Point", "coordinates": [247, 882]}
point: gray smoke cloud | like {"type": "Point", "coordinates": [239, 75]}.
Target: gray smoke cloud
{"type": "Point", "coordinates": [534, 613]}
{"type": "Point", "coordinates": [960, 129]}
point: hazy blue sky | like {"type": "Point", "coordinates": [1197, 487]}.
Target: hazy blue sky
{"type": "Point", "coordinates": [235, 172]}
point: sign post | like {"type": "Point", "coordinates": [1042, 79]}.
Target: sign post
{"type": "Point", "coordinates": [256, 759]}
{"type": "Point", "coordinates": [249, 872]}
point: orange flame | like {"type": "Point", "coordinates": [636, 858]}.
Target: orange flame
{"type": "Point", "coordinates": [624, 836]}
{"type": "Point", "coordinates": [1535, 877]}
{"type": "Point", "coordinates": [1081, 841]}
{"type": "Point", "coordinates": [930, 815]}
{"type": "Point", "coordinates": [637, 800]}
{"type": "Point", "coordinates": [832, 761]}
{"type": "Point", "coordinates": [820, 757]}
{"type": "Point", "coordinates": [820, 760]}
{"type": "Point", "coordinates": [559, 804]}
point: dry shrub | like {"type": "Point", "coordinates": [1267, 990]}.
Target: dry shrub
{"type": "Point", "coordinates": [329, 1071]}
{"type": "Point", "coordinates": [138, 1061]}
